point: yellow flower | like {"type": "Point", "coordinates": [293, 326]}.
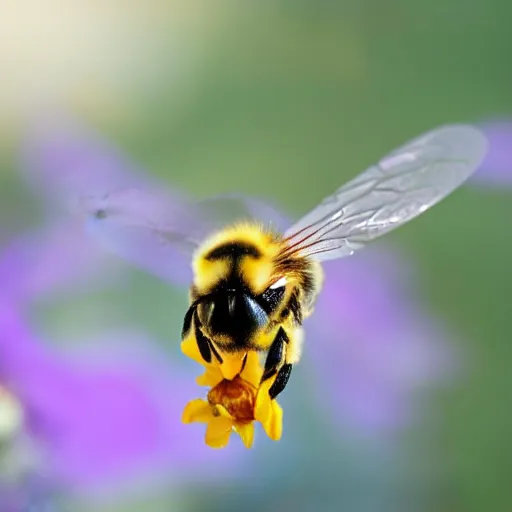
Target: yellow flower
{"type": "Point", "coordinates": [233, 404]}
{"type": "Point", "coordinates": [230, 367]}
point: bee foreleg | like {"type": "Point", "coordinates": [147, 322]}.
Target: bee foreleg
{"type": "Point", "coordinates": [187, 322]}
{"type": "Point", "coordinates": [281, 380]}
{"type": "Point", "coordinates": [275, 354]}
{"type": "Point", "coordinates": [204, 345]}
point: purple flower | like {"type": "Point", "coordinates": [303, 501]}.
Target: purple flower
{"type": "Point", "coordinates": [103, 416]}
{"type": "Point", "coordinates": [496, 169]}
{"type": "Point", "coordinates": [58, 162]}
{"type": "Point", "coordinates": [30, 492]}
{"type": "Point", "coordinates": [373, 347]}
{"type": "Point", "coordinates": [53, 260]}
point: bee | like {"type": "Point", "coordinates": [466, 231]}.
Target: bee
{"type": "Point", "coordinates": [251, 291]}
{"type": "Point", "coordinates": [253, 284]}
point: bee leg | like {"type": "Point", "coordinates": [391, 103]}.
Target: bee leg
{"type": "Point", "coordinates": [202, 342]}
{"type": "Point", "coordinates": [204, 345]}
{"type": "Point", "coordinates": [281, 380]}
{"type": "Point", "coordinates": [187, 322]}
{"type": "Point", "coordinates": [275, 354]}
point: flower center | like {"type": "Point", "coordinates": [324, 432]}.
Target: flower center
{"type": "Point", "coordinates": [237, 396]}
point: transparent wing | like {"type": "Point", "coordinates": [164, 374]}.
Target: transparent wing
{"type": "Point", "coordinates": [145, 228]}
{"type": "Point", "coordinates": [225, 209]}
{"type": "Point", "coordinates": [158, 232]}
{"type": "Point", "coordinates": [124, 209]}
{"type": "Point", "coordinates": [401, 186]}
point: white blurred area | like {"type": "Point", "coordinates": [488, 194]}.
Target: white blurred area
{"type": "Point", "coordinates": [98, 56]}
{"type": "Point", "coordinates": [11, 415]}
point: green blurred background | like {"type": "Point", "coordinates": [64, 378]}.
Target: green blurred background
{"type": "Point", "coordinates": [287, 100]}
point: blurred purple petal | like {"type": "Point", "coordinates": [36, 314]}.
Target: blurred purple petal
{"type": "Point", "coordinates": [496, 169]}
{"type": "Point", "coordinates": [30, 493]}
{"type": "Point", "coordinates": [373, 347]}
{"type": "Point", "coordinates": [102, 417]}
{"type": "Point", "coordinates": [53, 260]}
{"type": "Point", "coordinates": [62, 160]}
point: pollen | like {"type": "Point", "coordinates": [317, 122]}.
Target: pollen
{"type": "Point", "coordinates": [237, 396]}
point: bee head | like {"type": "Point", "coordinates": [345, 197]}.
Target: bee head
{"type": "Point", "coordinates": [234, 314]}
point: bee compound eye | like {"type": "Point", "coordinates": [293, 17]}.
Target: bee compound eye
{"type": "Point", "coordinates": [256, 316]}
{"type": "Point", "coordinates": [271, 298]}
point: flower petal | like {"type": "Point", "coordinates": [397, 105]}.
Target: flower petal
{"type": "Point", "coordinates": [222, 411]}
{"type": "Point", "coordinates": [231, 366]}
{"type": "Point", "coordinates": [218, 432]}
{"type": "Point", "coordinates": [496, 169]}
{"type": "Point", "coordinates": [190, 349]}
{"type": "Point", "coordinates": [246, 432]}
{"type": "Point", "coordinates": [268, 412]}
{"type": "Point", "coordinates": [197, 410]}
{"type": "Point", "coordinates": [275, 428]}
{"type": "Point", "coordinates": [211, 377]}
{"type": "Point", "coordinates": [57, 258]}
{"type": "Point", "coordinates": [252, 371]}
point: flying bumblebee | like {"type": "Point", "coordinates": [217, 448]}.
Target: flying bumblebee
{"type": "Point", "coordinates": [253, 284]}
